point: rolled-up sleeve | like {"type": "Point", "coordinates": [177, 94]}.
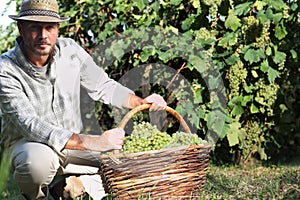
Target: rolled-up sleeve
{"type": "Point", "coordinates": [99, 86]}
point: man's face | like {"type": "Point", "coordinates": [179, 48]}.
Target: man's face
{"type": "Point", "coordinates": [39, 37]}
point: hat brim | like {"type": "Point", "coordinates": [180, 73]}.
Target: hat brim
{"type": "Point", "coordinates": [39, 18]}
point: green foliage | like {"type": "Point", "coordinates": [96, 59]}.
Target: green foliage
{"type": "Point", "coordinates": [254, 47]}
{"type": "Point", "coordinates": [7, 37]}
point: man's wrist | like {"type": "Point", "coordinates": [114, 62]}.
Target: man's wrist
{"type": "Point", "coordinates": [132, 101]}
{"type": "Point", "coordinates": [75, 142]}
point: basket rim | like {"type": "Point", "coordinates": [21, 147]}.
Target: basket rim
{"type": "Point", "coordinates": [139, 108]}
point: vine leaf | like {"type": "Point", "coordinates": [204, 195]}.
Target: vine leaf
{"type": "Point", "coordinates": [253, 55]}
{"type": "Point", "coordinates": [280, 32]}
{"type": "Point", "coordinates": [196, 3]}
{"type": "Point", "coordinates": [272, 74]}
{"type": "Point", "coordinates": [253, 109]}
{"type": "Point", "coordinates": [293, 53]}
{"type": "Point", "coordinates": [175, 2]}
{"type": "Point", "coordinates": [259, 5]}
{"type": "Point", "coordinates": [141, 4]}
{"type": "Point", "coordinates": [236, 105]}
{"type": "Point", "coordinates": [242, 8]}
{"type": "Point", "coordinates": [278, 4]}
{"type": "Point", "coordinates": [237, 110]}
{"type": "Point", "coordinates": [264, 66]}
{"type": "Point", "coordinates": [198, 63]}
{"type": "Point", "coordinates": [229, 39]}
{"type": "Point", "coordinates": [233, 133]}
{"type": "Point", "coordinates": [215, 121]}
{"type": "Point", "coordinates": [279, 56]}
{"type": "Point", "coordinates": [232, 22]}
{"type": "Point", "coordinates": [198, 95]}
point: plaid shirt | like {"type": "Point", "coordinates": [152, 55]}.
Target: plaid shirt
{"type": "Point", "coordinates": [42, 104]}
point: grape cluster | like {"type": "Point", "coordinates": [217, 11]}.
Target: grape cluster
{"type": "Point", "coordinates": [181, 138]}
{"type": "Point", "coordinates": [146, 137]}
{"type": "Point", "coordinates": [250, 29]}
{"type": "Point", "coordinates": [237, 76]}
{"type": "Point", "coordinates": [266, 95]}
{"type": "Point", "coordinates": [213, 9]}
{"type": "Point", "coordinates": [264, 37]}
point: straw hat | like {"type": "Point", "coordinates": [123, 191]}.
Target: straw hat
{"type": "Point", "coordinates": [40, 11]}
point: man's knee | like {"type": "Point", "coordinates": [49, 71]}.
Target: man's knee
{"type": "Point", "coordinates": [34, 163]}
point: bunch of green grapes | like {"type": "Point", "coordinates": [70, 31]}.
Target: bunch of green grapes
{"type": "Point", "coordinates": [264, 37]}
{"type": "Point", "coordinates": [181, 138]}
{"type": "Point", "coordinates": [237, 76]}
{"type": "Point", "coordinates": [145, 137]}
{"type": "Point", "coordinates": [266, 95]}
{"type": "Point", "coordinates": [144, 129]}
{"type": "Point", "coordinates": [250, 29]}
{"type": "Point", "coordinates": [213, 9]}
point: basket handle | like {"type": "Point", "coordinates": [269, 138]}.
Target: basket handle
{"type": "Point", "coordinates": [135, 110]}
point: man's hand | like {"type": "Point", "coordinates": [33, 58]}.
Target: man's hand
{"type": "Point", "coordinates": [109, 140]}
{"type": "Point", "coordinates": [114, 138]}
{"type": "Point", "coordinates": [157, 102]}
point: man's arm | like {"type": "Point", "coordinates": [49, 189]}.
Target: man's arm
{"type": "Point", "coordinates": [132, 101]}
{"type": "Point", "coordinates": [111, 139]}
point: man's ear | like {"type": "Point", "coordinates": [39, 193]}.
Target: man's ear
{"type": "Point", "coordinates": [19, 24]}
{"type": "Point", "coordinates": [58, 26]}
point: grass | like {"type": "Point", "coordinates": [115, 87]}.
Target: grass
{"type": "Point", "coordinates": [255, 183]}
{"type": "Point", "coordinates": [230, 182]}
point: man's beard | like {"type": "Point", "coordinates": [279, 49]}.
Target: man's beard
{"type": "Point", "coordinates": [50, 54]}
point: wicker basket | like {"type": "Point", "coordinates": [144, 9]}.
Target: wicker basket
{"type": "Point", "coordinates": [170, 173]}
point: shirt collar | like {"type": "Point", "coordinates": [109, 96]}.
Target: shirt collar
{"type": "Point", "coordinates": [18, 56]}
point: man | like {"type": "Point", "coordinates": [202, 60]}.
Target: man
{"type": "Point", "coordinates": [40, 80]}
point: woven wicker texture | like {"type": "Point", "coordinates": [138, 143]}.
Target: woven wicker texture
{"type": "Point", "coordinates": [159, 174]}
{"type": "Point", "coordinates": [50, 5]}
